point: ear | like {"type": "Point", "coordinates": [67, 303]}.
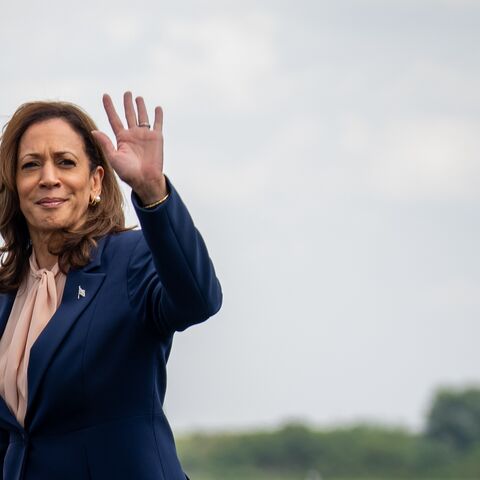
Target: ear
{"type": "Point", "coordinates": [96, 178]}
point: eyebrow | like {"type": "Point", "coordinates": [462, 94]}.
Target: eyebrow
{"type": "Point", "coordinates": [56, 154]}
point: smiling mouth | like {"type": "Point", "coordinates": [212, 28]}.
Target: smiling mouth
{"type": "Point", "coordinates": [50, 202]}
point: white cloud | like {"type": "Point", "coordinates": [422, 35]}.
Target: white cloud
{"type": "Point", "coordinates": [426, 158]}
{"type": "Point", "coordinates": [124, 29]}
{"type": "Point", "coordinates": [221, 57]}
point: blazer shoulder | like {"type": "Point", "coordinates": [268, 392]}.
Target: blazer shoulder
{"type": "Point", "coordinates": [125, 239]}
{"type": "Point", "coordinates": [117, 248]}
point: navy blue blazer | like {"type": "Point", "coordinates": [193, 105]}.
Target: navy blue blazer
{"type": "Point", "coordinates": [97, 372]}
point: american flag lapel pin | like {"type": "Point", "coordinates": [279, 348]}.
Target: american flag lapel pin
{"type": "Point", "coordinates": [81, 292]}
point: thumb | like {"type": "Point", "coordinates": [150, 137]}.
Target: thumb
{"type": "Point", "coordinates": [105, 143]}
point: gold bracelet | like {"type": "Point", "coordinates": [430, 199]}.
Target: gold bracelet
{"type": "Point", "coordinates": [158, 202]}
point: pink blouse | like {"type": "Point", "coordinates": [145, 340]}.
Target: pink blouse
{"type": "Point", "coordinates": [37, 300]}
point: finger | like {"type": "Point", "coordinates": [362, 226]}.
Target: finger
{"type": "Point", "coordinates": [105, 143]}
{"type": "Point", "coordinates": [158, 125]}
{"type": "Point", "coordinates": [142, 111]}
{"type": "Point", "coordinates": [129, 110]}
{"type": "Point", "coordinates": [112, 115]}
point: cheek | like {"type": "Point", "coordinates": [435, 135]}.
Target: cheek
{"type": "Point", "coordinates": [24, 189]}
{"type": "Point", "coordinates": [85, 192]}
{"type": "Point", "coordinates": [82, 198]}
{"type": "Point", "coordinates": [79, 186]}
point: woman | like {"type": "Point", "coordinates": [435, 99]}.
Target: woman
{"type": "Point", "coordinates": [88, 308]}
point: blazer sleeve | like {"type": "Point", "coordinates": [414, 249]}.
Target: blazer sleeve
{"type": "Point", "coordinates": [170, 271]}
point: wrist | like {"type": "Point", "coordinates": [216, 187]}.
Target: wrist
{"type": "Point", "coordinates": [153, 192]}
{"type": "Point", "coordinates": [156, 203]}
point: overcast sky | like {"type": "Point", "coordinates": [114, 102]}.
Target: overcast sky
{"type": "Point", "coordinates": [328, 151]}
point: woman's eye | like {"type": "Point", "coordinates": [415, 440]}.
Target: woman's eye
{"type": "Point", "coordinates": [29, 165]}
{"type": "Point", "coordinates": [67, 162]}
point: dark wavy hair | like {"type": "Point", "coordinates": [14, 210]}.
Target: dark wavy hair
{"type": "Point", "coordinates": [73, 247]}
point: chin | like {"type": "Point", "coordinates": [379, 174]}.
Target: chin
{"type": "Point", "coordinates": [49, 225]}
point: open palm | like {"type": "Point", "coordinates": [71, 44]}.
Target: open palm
{"type": "Point", "coordinates": [138, 156]}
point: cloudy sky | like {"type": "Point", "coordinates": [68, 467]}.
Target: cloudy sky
{"type": "Point", "coordinates": [329, 154]}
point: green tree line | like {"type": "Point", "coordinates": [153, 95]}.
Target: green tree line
{"type": "Point", "coordinates": [449, 447]}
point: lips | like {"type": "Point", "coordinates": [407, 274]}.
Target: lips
{"type": "Point", "coordinates": [50, 202]}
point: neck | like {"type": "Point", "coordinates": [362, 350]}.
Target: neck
{"type": "Point", "coordinates": [44, 258]}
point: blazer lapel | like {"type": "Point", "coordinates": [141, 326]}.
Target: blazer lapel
{"type": "Point", "coordinates": [7, 419]}
{"type": "Point", "coordinates": [6, 305]}
{"type": "Point", "coordinates": [80, 289]}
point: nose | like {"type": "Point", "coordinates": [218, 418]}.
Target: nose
{"type": "Point", "coordinates": [49, 177]}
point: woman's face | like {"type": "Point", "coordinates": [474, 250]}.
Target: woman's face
{"type": "Point", "coordinates": [53, 177]}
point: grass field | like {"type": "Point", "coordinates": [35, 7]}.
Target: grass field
{"type": "Point", "coordinates": [251, 476]}
{"type": "Point", "coordinates": [277, 477]}
{"type": "Point", "coordinates": [193, 476]}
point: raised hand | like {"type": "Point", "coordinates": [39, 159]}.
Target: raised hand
{"type": "Point", "coordinates": [138, 157]}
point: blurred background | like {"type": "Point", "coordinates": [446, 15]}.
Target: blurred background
{"type": "Point", "coordinates": [328, 151]}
